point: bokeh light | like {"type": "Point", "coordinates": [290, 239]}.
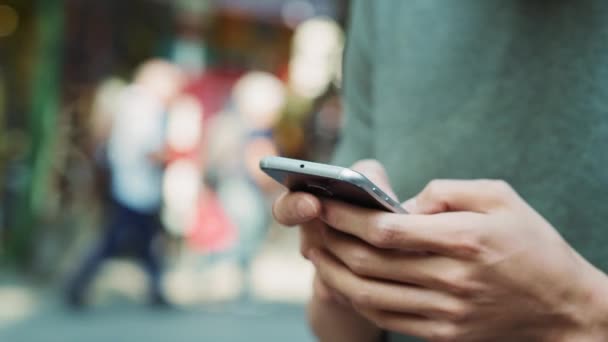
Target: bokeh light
{"type": "Point", "coordinates": [180, 190]}
{"type": "Point", "coordinates": [309, 78]}
{"type": "Point", "coordinates": [184, 127]}
{"type": "Point", "coordinates": [316, 55]}
{"type": "Point", "coordinates": [318, 36]}
{"type": "Point", "coordinates": [107, 96]}
{"type": "Point", "coordinates": [162, 78]}
{"type": "Point", "coordinates": [259, 97]}
{"type": "Point", "coordinates": [17, 304]}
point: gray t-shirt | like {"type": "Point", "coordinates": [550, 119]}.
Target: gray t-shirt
{"type": "Point", "coordinates": [515, 90]}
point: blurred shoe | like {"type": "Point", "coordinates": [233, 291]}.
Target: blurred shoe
{"type": "Point", "coordinates": [74, 300]}
{"type": "Point", "coordinates": [159, 301]}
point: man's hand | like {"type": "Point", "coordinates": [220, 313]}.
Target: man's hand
{"type": "Point", "coordinates": [332, 317]}
{"type": "Point", "coordinates": [489, 268]}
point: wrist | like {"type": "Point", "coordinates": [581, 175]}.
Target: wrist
{"type": "Point", "coordinates": [589, 315]}
{"type": "Point", "coordinates": [597, 306]}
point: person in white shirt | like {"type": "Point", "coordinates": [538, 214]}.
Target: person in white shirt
{"type": "Point", "coordinates": [135, 152]}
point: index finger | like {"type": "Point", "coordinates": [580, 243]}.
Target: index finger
{"type": "Point", "coordinates": [480, 195]}
{"type": "Point", "coordinates": [293, 208]}
{"type": "Point", "coordinates": [451, 234]}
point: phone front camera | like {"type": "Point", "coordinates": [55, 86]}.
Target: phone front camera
{"type": "Point", "coordinates": [301, 166]}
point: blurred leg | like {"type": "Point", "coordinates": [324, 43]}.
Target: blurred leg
{"type": "Point", "coordinates": [148, 230]}
{"type": "Point", "coordinates": [106, 247]}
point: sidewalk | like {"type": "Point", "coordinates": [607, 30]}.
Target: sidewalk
{"type": "Point", "coordinates": [119, 322]}
{"type": "Point", "coordinates": [208, 306]}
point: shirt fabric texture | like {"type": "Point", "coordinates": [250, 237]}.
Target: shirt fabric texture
{"type": "Point", "coordinates": [137, 133]}
{"type": "Point", "coordinates": [514, 90]}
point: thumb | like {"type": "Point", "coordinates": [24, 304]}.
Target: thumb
{"type": "Point", "coordinates": [460, 195]}
{"type": "Point", "coordinates": [374, 171]}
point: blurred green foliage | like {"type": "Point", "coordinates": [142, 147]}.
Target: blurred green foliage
{"type": "Point", "coordinates": [42, 116]}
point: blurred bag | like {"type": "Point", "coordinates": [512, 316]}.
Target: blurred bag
{"type": "Point", "coordinates": [212, 230]}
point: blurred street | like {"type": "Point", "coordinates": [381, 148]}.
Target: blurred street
{"type": "Point", "coordinates": [127, 322]}
{"type": "Point", "coordinates": [209, 306]}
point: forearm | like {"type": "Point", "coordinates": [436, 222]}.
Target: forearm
{"type": "Point", "coordinates": [331, 322]}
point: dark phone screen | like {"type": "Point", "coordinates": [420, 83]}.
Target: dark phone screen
{"type": "Point", "coordinates": [327, 188]}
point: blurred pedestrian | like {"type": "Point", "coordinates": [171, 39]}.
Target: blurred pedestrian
{"type": "Point", "coordinates": [136, 156]}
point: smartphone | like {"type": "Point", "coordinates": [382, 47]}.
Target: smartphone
{"type": "Point", "coordinates": [329, 181]}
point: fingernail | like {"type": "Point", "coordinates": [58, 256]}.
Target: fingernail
{"type": "Point", "coordinates": [410, 205]}
{"type": "Point", "coordinates": [306, 208]}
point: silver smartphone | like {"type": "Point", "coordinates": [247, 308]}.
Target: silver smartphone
{"type": "Point", "coordinates": [329, 181]}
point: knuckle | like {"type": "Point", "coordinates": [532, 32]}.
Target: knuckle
{"type": "Point", "coordinates": [457, 312]}
{"type": "Point", "coordinates": [333, 218]}
{"type": "Point", "coordinates": [385, 324]}
{"type": "Point", "coordinates": [498, 186]}
{"type": "Point", "coordinates": [377, 318]}
{"type": "Point", "coordinates": [382, 320]}
{"type": "Point", "coordinates": [501, 186]}
{"type": "Point", "coordinates": [323, 293]}
{"type": "Point", "coordinates": [433, 188]}
{"type": "Point", "coordinates": [382, 232]}
{"type": "Point", "coordinates": [435, 192]}
{"type": "Point", "coordinates": [362, 297]}
{"type": "Point", "coordinates": [358, 260]}
{"type": "Point", "coordinates": [308, 241]}
{"type": "Point", "coordinates": [458, 281]}
{"type": "Point", "coordinates": [469, 244]}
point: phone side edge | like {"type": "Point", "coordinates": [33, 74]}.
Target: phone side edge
{"type": "Point", "coordinates": [361, 181]}
{"type": "Point", "coordinates": [301, 167]}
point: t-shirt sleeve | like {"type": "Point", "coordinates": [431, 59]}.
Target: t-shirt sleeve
{"type": "Point", "coordinates": [356, 141]}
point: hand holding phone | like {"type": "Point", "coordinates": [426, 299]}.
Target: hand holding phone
{"type": "Point", "coordinates": [304, 210]}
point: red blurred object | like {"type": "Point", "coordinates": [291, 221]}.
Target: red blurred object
{"type": "Point", "coordinates": [213, 89]}
{"type": "Point", "coordinates": [212, 230]}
